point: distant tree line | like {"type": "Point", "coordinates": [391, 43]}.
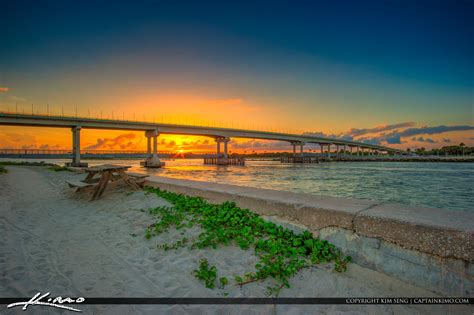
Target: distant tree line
{"type": "Point", "coordinates": [460, 149]}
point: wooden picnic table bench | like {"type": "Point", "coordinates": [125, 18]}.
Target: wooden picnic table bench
{"type": "Point", "coordinates": [78, 184]}
{"type": "Point", "coordinates": [107, 173]}
{"type": "Point", "coordinates": [138, 177]}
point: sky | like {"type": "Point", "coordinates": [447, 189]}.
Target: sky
{"type": "Point", "coordinates": [395, 73]}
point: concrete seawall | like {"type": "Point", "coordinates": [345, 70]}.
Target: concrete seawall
{"type": "Point", "coordinates": [427, 247]}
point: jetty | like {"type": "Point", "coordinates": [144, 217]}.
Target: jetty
{"type": "Point", "coordinates": [299, 159]}
{"type": "Point", "coordinates": [214, 160]}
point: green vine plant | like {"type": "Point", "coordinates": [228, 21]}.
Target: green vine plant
{"type": "Point", "coordinates": [282, 253]}
{"type": "Point", "coordinates": [206, 273]}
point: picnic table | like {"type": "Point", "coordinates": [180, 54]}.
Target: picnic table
{"type": "Point", "coordinates": [100, 175]}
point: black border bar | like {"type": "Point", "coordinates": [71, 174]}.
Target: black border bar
{"type": "Point", "coordinates": [301, 301]}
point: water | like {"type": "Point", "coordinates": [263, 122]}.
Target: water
{"type": "Point", "coordinates": [438, 185]}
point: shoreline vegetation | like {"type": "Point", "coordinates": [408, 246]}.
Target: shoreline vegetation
{"type": "Point", "coordinates": [24, 163]}
{"type": "Point", "coordinates": [51, 166]}
{"type": "Point", "coordinates": [282, 253]}
{"type": "Point", "coordinates": [452, 151]}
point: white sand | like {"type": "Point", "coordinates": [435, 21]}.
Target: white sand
{"type": "Point", "coordinates": [53, 239]}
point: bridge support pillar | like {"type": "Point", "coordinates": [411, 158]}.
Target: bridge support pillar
{"type": "Point", "coordinates": [218, 142]}
{"type": "Point", "coordinates": [300, 144]}
{"type": "Point", "coordinates": [224, 140]}
{"type": "Point", "coordinates": [152, 159]}
{"type": "Point", "coordinates": [155, 147]}
{"type": "Point", "coordinates": [223, 159]}
{"type": "Point", "coordinates": [76, 148]}
{"type": "Point", "coordinates": [226, 153]}
{"type": "Point", "coordinates": [299, 158]}
{"type": "Point", "coordinates": [148, 147]}
{"type": "Point", "coordinates": [329, 150]}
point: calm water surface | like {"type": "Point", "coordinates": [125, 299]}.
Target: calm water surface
{"type": "Point", "coordinates": [439, 185]}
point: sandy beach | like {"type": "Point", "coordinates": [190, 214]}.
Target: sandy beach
{"type": "Point", "coordinates": [54, 239]}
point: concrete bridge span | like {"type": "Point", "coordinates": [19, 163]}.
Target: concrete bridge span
{"type": "Point", "coordinates": [153, 130]}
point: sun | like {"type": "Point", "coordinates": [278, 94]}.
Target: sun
{"type": "Point", "coordinates": [179, 154]}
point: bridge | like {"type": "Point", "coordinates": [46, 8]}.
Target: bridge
{"type": "Point", "coordinates": [153, 130]}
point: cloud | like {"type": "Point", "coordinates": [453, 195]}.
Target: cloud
{"type": "Point", "coordinates": [325, 135]}
{"type": "Point", "coordinates": [196, 145]}
{"type": "Point", "coordinates": [356, 132]}
{"type": "Point", "coordinates": [124, 141]}
{"type": "Point", "coordinates": [193, 143]}
{"type": "Point", "coordinates": [396, 136]}
{"type": "Point", "coordinates": [169, 144]}
{"type": "Point", "coordinates": [4, 89]}
{"type": "Point", "coordinates": [268, 145]}
{"type": "Point", "coordinates": [421, 139]}
{"type": "Point", "coordinates": [433, 130]}
{"type": "Point", "coordinates": [343, 136]}
{"type": "Point", "coordinates": [394, 139]}
{"type": "Point", "coordinates": [10, 140]}
{"type": "Point", "coordinates": [259, 144]}
{"type": "Point", "coordinates": [316, 134]}
{"type": "Point", "coordinates": [370, 141]}
{"type": "Point", "coordinates": [13, 140]}
{"type": "Point", "coordinates": [446, 140]}
{"type": "Point", "coordinates": [50, 147]}
{"type": "Point", "coordinates": [346, 137]}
